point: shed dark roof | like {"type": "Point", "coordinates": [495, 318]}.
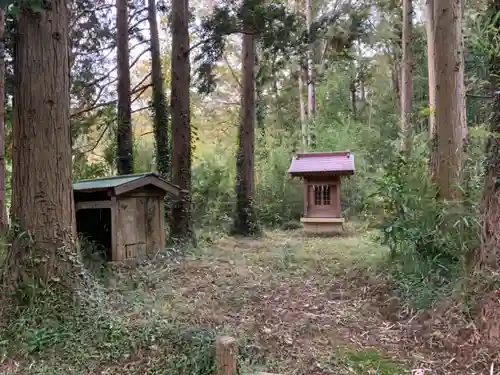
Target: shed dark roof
{"type": "Point", "coordinates": [322, 162]}
{"type": "Point", "coordinates": [125, 183]}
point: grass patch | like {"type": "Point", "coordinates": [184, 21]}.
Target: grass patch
{"type": "Point", "coordinates": [370, 362]}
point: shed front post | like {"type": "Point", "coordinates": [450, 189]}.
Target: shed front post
{"type": "Point", "coordinates": [114, 230]}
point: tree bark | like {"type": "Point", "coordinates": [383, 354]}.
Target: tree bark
{"type": "Point", "coordinates": [245, 221]}
{"type": "Point", "coordinates": [450, 98]}
{"type": "Point", "coordinates": [124, 136]}
{"type": "Point", "coordinates": [160, 107]}
{"type": "Point", "coordinates": [406, 76]}
{"type": "Point", "coordinates": [3, 202]}
{"type": "Point", "coordinates": [181, 226]}
{"type": "Point", "coordinates": [431, 69]}
{"type": "Point", "coordinates": [488, 256]}
{"type": "Point", "coordinates": [42, 194]}
{"type": "Point", "coordinates": [431, 65]}
{"type": "Point", "coordinates": [353, 90]}
{"type": "Point", "coordinates": [302, 106]}
{"type": "Point", "coordinates": [311, 89]}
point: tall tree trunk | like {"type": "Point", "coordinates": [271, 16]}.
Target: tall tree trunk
{"type": "Point", "coordinates": [124, 136]}
{"type": "Point", "coordinates": [245, 221]}
{"type": "Point", "coordinates": [353, 90]}
{"type": "Point", "coordinates": [311, 90]}
{"type": "Point", "coordinates": [3, 202]}
{"type": "Point", "coordinates": [488, 257]}
{"type": "Point", "coordinates": [260, 108]}
{"type": "Point", "coordinates": [395, 78]}
{"type": "Point", "coordinates": [160, 106]}
{"type": "Point", "coordinates": [277, 108]}
{"type": "Point", "coordinates": [431, 69]}
{"type": "Point", "coordinates": [181, 225]}
{"type": "Point", "coordinates": [431, 65]}
{"type": "Point", "coordinates": [303, 120]}
{"type": "Point", "coordinates": [302, 77]}
{"type": "Point", "coordinates": [406, 76]}
{"type": "Point", "coordinates": [42, 194]}
{"type": "Point", "coordinates": [450, 98]}
{"type": "Point", "coordinates": [362, 91]}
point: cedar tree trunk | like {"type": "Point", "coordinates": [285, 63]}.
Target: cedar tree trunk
{"type": "Point", "coordinates": [450, 98]}
{"type": "Point", "coordinates": [431, 65]}
{"type": "Point", "coordinates": [431, 68]}
{"type": "Point", "coordinates": [245, 221]}
{"type": "Point", "coordinates": [353, 90]}
{"type": "Point", "coordinates": [42, 194]}
{"type": "Point", "coordinates": [311, 89]}
{"type": "Point", "coordinates": [124, 137]}
{"type": "Point", "coordinates": [181, 226]}
{"type": "Point", "coordinates": [160, 107]}
{"type": "Point", "coordinates": [302, 106]}
{"type": "Point", "coordinates": [406, 76]}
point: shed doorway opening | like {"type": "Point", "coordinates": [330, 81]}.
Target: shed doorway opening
{"type": "Point", "coordinates": [94, 224]}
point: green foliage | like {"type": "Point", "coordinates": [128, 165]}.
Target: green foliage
{"type": "Point", "coordinates": [213, 189]}
{"type": "Point", "coordinates": [279, 198]}
{"type": "Point", "coordinates": [281, 33]}
{"type": "Point", "coordinates": [82, 170]}
{"type": "Point", "coordinates": [143, 156]}
{"type": "Point", "coordinates": [370, 361]}
{"type": "Point", "coordinates": [272, 23]}
{"type": "Point", "coordinates": [429, 239]}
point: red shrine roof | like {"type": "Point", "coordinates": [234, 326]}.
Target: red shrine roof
{"type": "Point", "coordinates": [322, 162]}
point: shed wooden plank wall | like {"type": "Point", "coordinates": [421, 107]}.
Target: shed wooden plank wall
{"type": "Point", "coordinates": [140, 228]}
{"type": "Point", "coordinates": [154, 224]}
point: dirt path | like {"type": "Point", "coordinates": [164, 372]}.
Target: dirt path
{"type": "Point", "coordinates": [315, 306]}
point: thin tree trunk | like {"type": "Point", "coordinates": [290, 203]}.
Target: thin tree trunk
{"type": "Point", "coordinates": [181, 225]}
{"type": "Point", "coordinates": [260, 109]}
{"type": "Point", "coordinates": [395, 77]}
{"type": "Point", "coordinates": [431, 65]}
{"type": "Point", "coordinates": [3, 202]}
{"type": "Point", "coordinates": [303, 120]}
{"type": "Point", "coordinates": [160, 106]}
{"type": "Point", "coordinates": [431, 68]}
{"type": "Point", "coordinates": [42, 194]}
{"type": "Point", "coordinates": [302, 77]}
{"type": "Point", "coordinates": [311, 91]}
{"type": "Point", "coordinates": [278, 109]}
{"type": "Point", "coordinates": [245, 221]}
{"type": "Point", "coordinates": [406, 76]}
{"type": "Point", "coordinates": [124, 136]}
{"type": "Point", "coordinates": [353, 98]}
{"type": "Point", "coordinates": [395, 54]}
{"type": "Point", "coordinates": [450, 98]}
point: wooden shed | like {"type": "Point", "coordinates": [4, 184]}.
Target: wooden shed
{"type": "Point", "coordinates": [321, 174]}
{"type": "Point", "coordinates": [124, 214]}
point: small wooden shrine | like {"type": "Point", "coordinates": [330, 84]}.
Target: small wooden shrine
{"type": "Point", "coordinates": [124, 214]}
{"type": "Point", "coordinates": [321, 174]}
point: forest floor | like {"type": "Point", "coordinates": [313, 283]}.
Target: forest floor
{"type": "Point", "coordinates": [297, 305]}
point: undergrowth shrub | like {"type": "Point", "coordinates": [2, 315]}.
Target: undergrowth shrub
{"type": "Point", "coordinates": [429, 239]}
{"type": "Point", "coordinates": [279, 198]}
{"type": "Point", "coordinates": [94, 332]}
{"type": "Point", "coordinates": [213, 189]}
